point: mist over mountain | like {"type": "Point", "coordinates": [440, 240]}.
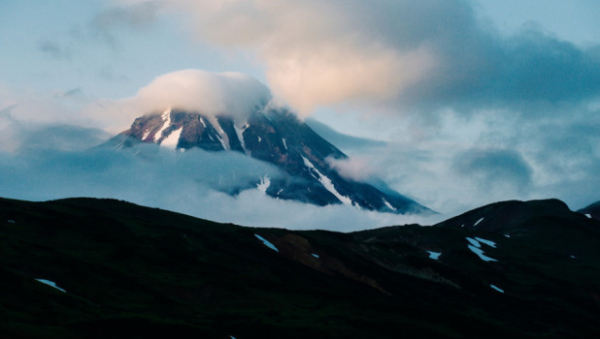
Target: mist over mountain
{"type": "Point", "coordinates": [315, 169]}
{"type": "Point", "coordinates": [341, 140]}
{"type": "Point", "coordinates": [259, 183]}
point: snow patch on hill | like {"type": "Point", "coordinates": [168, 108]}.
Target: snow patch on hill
{"type": "Point", "coordinates": [51, 284]}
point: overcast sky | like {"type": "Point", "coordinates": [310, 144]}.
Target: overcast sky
{"type": "Point", "coordinates": [475, 101]}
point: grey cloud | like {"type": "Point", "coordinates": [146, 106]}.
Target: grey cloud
{"type": "Point", "coordinates": [5, 111]}
{"type": "Point", "coordinates": [192, 182]}
{"type": "Point", "coordinates": [135, 17]}
{"type": "Point", "coordinates": [54, 49]}
{"type": "Point", "coordinates": [61, 137]}
{"type": "Point", "coordinates": [430, 54]}
{"type": "Point", "coordinates": [75, 92]}
{"type": "Point", "coordinates": [9, 129]}
{"type": "Point", "coordinates": [578, 191]}
{"type": "Point", "coordinates": [478, 68]}
{"type": "Point", "coordinates": [53, 162]}
{"type": "Point", "coordinates": [555, 155]}
{"type": "Point", "coordinates": [108, 73]}
{"type": "Point", "coordinates": [341, 140]}
{"type": "Point", "coordinates": [103, 29]}
{"type": "Point", "coordinates": [494, 168]}
{"type": "Point", "coordinates": [17, 134]}
{"type": "Point", "coordinates": [481, 68]}
{"type": "Point", "coordinates": [567, 140]}
{"type": "Point", "coordinates": [540, 67]}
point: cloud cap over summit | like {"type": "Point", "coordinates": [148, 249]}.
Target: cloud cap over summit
{"type": "Point", "coordinates": [230, 93]}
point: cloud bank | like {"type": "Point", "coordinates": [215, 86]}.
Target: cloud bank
{"type": "Point", "coordinates": [410, 54]}
{"type": "Point", "coordinates": [195, 182]}
{"type": "Point", "coordinates": [465, 163]}
{"type": "Point", "coordinates": [487, 167]}
{"type": "Point", "coordinates": [472, 116]}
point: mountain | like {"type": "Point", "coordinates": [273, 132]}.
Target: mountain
{"type": "Point", "coordinates": [593, 210]}
{"type": "Point", "coordinates": [90, 268]}
{"type": "Point", "coordinates": [275, 136]}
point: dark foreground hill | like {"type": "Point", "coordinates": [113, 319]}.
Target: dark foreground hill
{"type": "Point", "coordinates": [511, 269]}
{"type": "Point", "coordinates": [592, 210]}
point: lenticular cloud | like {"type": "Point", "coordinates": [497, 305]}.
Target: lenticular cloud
{"type": "Point", "coordinates": [229, 93]}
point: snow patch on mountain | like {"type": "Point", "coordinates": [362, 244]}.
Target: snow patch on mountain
{"type": "Point", "coordinates": [239, 131]}
{"type": "Point", "coordinates": [223, 138]}
{"type": "Point", "coordinates": [388, 205]}
{"type": "Point", "coordinates": [264, 184]}
{"type": "Point", "coordinates": [146, 134]}
{"type": "Point", "coordinates": [172, 139]}
{"type": "Point", "coordinates": [166, 118]}
{"type": "Point", "coordinates": [326, 182]}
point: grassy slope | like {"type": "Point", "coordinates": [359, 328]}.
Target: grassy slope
{"type": "Point", "coordinates": [132, 271]}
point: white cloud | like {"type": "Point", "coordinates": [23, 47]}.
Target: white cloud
{"type": "Point", "coordinates": [229, 93]}
{"type": "Point", "coordinates": [22, 112]}
{"type": "Point", "coordinates": [316, 52]}
{"type": "Point", "coordinates": [190, 182]}
{"type": "Point", "coordinates": [421, 55]}
{"type": "Point", "coordinates": [464, 162]}
{"type": "Point", "coordinates": [355, 168]}
{"type": "Point", "coordinates": [426, 57]}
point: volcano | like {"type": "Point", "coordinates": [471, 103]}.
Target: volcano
{"type": "Point", "coordinates": [274, 135]}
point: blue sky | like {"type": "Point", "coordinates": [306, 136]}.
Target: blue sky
{"type": "Point", "coordinates": [477, 101]}
{"type": "Point", "coordinates": [57, 46]}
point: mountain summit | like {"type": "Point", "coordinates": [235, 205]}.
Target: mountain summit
{"type": "Point", "coordinates": [273, 135]}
